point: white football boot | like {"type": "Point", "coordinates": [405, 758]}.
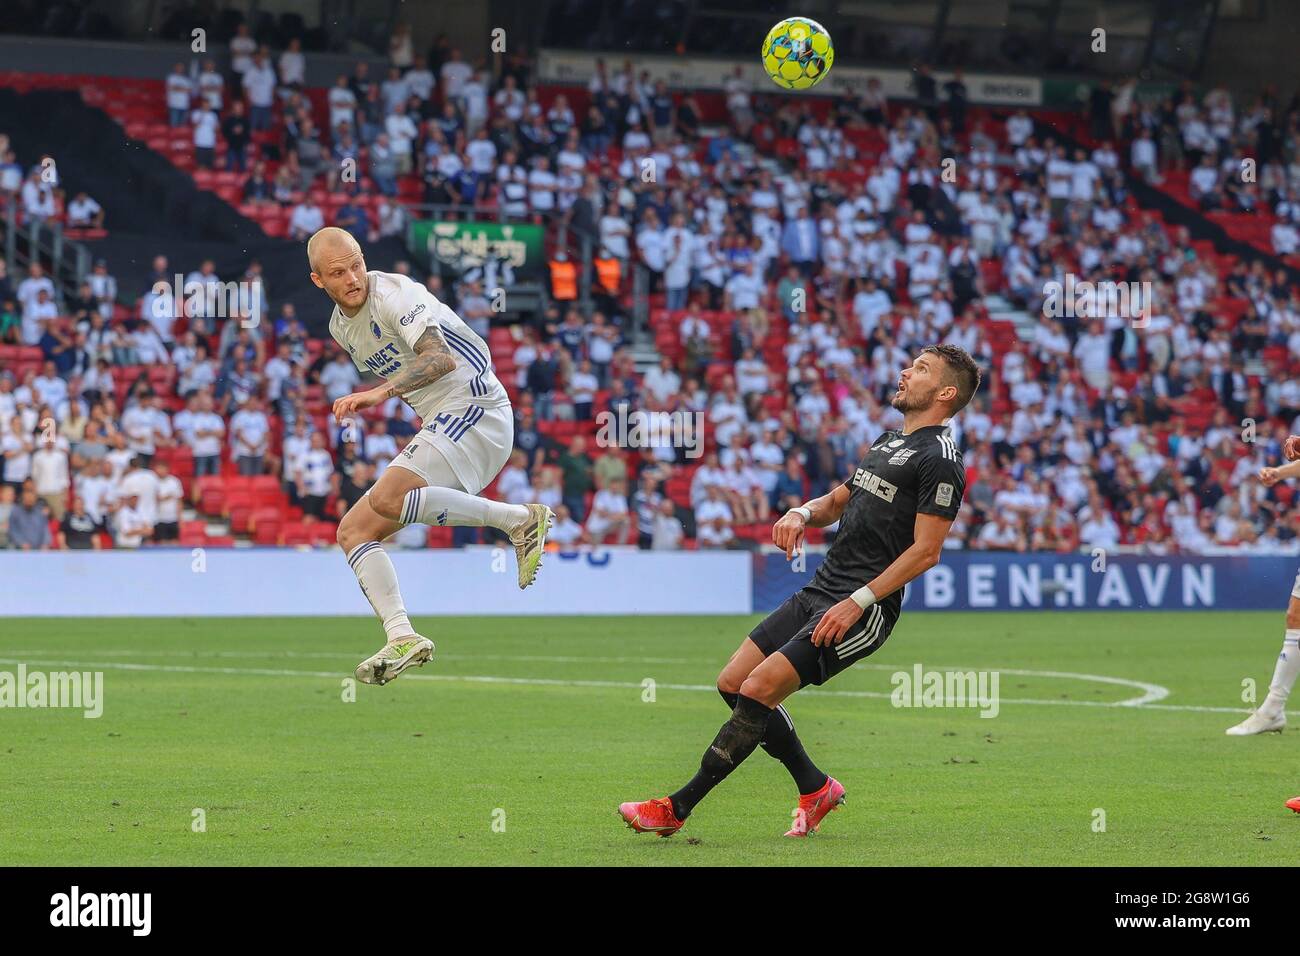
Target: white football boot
{"type": "Point", "coordinates": [529, 539]}
{"type": "Point", "coordinates": [393, 658]}
{"type": "Point", "coordinates": [1258, 723]}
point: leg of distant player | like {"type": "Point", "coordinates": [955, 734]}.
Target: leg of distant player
{"type": "Point", "coordinates": [1271, 715]}
{"type": "Point", "coordinates": [779, 739]}
{"type": "Point", "coordinates": [759, 695]}
{"type": "Point", "coordinates": [359, 535]}
{"type": "Point", "coordinates": [399, 498]}
{"type": "Point", "coordinates": [443, 500]}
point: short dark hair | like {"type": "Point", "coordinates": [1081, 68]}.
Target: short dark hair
{"type": "Point", "coordinates": [962, 372]}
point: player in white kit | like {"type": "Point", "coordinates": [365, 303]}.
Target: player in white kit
{"type": "Point", "coordinates": [1271, 715]}
{"type": "Point", "coordinates": [396, 329]}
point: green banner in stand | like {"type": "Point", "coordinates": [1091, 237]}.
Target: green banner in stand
{"type": "Point", "coordinates": [453, 248]}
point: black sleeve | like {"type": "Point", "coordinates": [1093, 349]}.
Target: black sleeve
{"type": "Point", "coordinates": [940, 483]}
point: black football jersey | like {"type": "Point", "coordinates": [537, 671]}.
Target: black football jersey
{"type": "Point", "coordinates": [901, 476]}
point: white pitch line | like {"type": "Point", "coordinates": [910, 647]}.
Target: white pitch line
{"type": "Point", "coordinates": [625, 685]}
{"type": "Point", "coordinates": [344, 655]}
{"type": "Point", "coordinates": [1151, 693]}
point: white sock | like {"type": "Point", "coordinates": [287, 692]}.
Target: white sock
{"type": "Point", "coordinates": [1284, 675]}
{"type": "Point", "coordinates": [447, 506]}
{"type": "Point", "coordinates": [378, 579]}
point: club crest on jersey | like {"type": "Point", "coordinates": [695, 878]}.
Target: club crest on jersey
{"type": "Point", "coordinates": [410, 316]}
{"type": "Point", "coordinates": [374, 328]}
{"type": "Point", "coordinates": [902, 456]}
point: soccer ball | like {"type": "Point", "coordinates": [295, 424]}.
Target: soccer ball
{"type": "Point", "coordinates": [797, 53]}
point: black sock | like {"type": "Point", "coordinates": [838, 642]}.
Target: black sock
{"type": "Point", "coordinates": [735, 741]}
{"type": "Point", "coordinates": [781, 742]}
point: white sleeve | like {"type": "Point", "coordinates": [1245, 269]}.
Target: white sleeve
{"type": "Point", "coordinates": [410, 312]}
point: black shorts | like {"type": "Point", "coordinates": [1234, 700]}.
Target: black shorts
{"type": "Point", "coordinates": [789, 630]}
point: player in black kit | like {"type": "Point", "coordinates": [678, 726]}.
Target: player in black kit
{"type": "Point", "coordinates": [894, 514]}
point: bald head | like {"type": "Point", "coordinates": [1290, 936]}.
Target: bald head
{"type": "Point", "coordinates": [330, 243]}
{"type": "Point", "coordinates": [338, 267]}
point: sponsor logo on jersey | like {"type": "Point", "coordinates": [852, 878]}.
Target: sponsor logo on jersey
{"type": "Point", "coordinates": [902, 456]}
{"type": "Point", "coordinates": [894, 444]}
{"type": "Point", "coordinates": [410, 316]}
{"type": "Point", "coordinates": [875, 484]}
{"type": "Point", "coordinates": [943, 495]}
{"type": "Point", "coordinates": [384, 362]}
{"type": "Point", "coordinates": [374, 328]}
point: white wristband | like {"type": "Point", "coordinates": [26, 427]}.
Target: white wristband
{"type": "Point", "coordinates": [863, 597]}
{"type": "Point", "coordinates": [805, 512]}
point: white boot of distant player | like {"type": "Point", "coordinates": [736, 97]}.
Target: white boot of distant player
{"type": "Point", "coordinates": [446, 506]}
{"type": "Point", "coordinates": [1271, 715]}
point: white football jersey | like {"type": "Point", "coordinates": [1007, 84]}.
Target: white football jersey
{"type": "Point", "coordinates": [380, 338]}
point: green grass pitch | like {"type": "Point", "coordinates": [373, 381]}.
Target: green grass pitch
{"type": "Point", "coordinates": [515, 745]}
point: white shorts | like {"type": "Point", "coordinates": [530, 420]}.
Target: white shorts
{"type": "Point", "coordinates": [475, 442]}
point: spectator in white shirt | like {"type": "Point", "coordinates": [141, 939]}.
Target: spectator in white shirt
{"type": "Point", "coordinates": [564, 530]}
{"type": "Point", "coordinates": [454, 74]}
{"type": "Point", "coordinates": [202, 430]}
{"type": "Point", "coordinates": [381, 447]}
{"type": "Point", "coordinates": [38, 198]}
{"type": "Point", "coordinates": [141, 485]}
{"type": "Point", "coordinates": [293, 65]}
{"type": "Point", "coordinates": [211, 86]}
{"type": "Point", "coordinates": [609, 514]}
{"type": "Point", "coordinates": [402, 134]}
{"type": "Point", "coordinates": [35, 317]}
{"type": "Point", "coordinates": [250, 432]}
{"type": "Point", "coordinates": [315, 478]}
{"type": "Point", "coordinates": [662, 382]}
{"type": "Point", "coordinates": [259, 87]}
{"type": "Point", "coordinates": [713, 519]}
{"type": "Point", "coordinates": [744, 290]}
{"type": "Point", "coordinates": [179, 90]}
{"type": "Point", "coordinates": [420, 79]}
{"type": "Point", "coordinates": [242, 48]}
{"type": "Point", "coordinates": [170, 494]}
{"type": "Point", "coordinates": [85, 213]}
{"type": "Point", "coordinates": [339, 377]}
{"type": "Point", "coordinates": [666, 533]}
{"type": "Point", "coordinates": [206, 124]}
{"type": "Point", "coordinates": [130, 525]}
{"type": "Point", "coordinates": [49, 467]}
{"type": "Point", "coordinates": [305, 219]}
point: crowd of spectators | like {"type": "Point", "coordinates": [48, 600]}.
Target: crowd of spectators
{"type": "Point", "coordinates": [797, 259]}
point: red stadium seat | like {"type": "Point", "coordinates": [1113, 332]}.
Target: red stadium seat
{"type": "Point", "coordinates": [240, 516]}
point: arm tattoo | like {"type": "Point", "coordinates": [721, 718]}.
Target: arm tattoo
{"type": "Point", "coordinates": [432, 361]}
